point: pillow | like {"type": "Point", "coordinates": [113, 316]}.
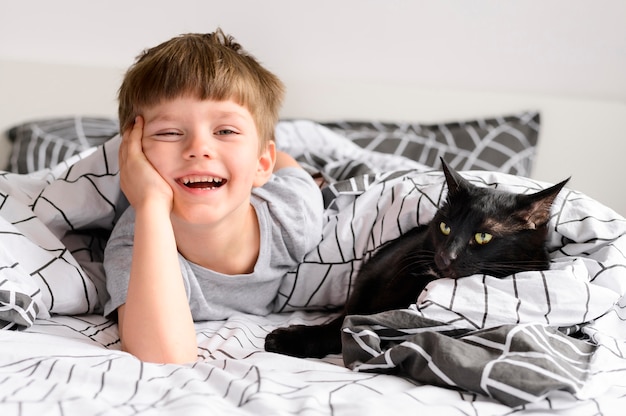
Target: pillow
{"type": "Point", "coordinates": [44, 143]}
{"type": "Point", "coordinates": [502, 144]}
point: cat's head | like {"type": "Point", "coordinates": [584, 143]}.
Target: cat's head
{"type": "Point", "coordinates": [481, 230]}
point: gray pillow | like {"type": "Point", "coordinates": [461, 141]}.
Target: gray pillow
{"type": "Point", "coordinates": [503, 144]}
{"type": "Point", "coordinates": [44, 143]}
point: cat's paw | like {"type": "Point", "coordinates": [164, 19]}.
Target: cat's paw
{"type": "Point", "coordinates": [288, 341]}
{"type": "Point", "coordinates": [304, 341]}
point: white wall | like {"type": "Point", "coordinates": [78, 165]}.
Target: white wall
{"type": "Point", "coordinates": [574, 47]}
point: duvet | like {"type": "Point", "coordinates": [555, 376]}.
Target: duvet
{"type": "Point", "coordinates": [535, 342]}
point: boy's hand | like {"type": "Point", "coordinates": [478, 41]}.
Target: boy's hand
{"type": "Point", "coordinates": [139, 180]}
{"type": "Point", "coordinates": [149, 328]}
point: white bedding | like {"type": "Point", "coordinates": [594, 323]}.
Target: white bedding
{"type": "Point", "coordinates": [73, 366]}
{"type": "Point", "coordinates": [66, 358]}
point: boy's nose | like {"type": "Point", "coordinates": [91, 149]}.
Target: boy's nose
{"type": "Point", "coordinates": [199, 145]}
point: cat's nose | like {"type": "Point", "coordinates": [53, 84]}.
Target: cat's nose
{"type": "Point", "coordinates": [444, 260]}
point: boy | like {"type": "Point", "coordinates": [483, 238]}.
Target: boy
{"type": "Point", "coordinates": [218, 216]}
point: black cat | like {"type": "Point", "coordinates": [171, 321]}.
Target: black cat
{"type": "Point", "coordinates": [478, 230]}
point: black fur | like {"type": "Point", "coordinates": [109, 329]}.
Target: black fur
{"type": "Point", "coordinates": [447, 247]}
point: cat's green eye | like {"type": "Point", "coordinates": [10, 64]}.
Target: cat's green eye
{"type": "Point", "coordinates": [445, 230]}
{"type": "Point", "coordinates": [482, 238]}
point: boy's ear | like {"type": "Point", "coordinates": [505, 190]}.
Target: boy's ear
{"type": "Point", "coordinates": [267, 160]}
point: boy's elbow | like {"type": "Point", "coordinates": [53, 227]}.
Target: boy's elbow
{"type": "Point", "coordinates": [178, 359]}
{"type": "Point", "coordinates": [175, 357]}
{"type": "Point", "coordinates": [175, 354]}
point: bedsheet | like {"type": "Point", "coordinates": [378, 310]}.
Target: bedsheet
{"type": "Point", "coordinates": [64, 358]}
{"type": "Point", "coordinates": [71, 365]}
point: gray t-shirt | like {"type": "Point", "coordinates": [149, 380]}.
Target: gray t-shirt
{"type": "Point", "coordinates": [289, 210]}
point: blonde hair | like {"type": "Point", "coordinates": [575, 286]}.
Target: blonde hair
{"type": "Point", "coordinates": [209, 66]}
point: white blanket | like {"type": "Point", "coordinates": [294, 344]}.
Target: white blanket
{"type": "Point", "coordinates": [54, 224]}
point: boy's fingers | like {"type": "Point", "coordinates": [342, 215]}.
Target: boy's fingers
{"type": "Point", "coordinates": [131, 139]}
{"type": "Point", "coordinates": [136, 132]}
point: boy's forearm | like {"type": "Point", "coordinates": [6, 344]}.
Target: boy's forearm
{"type": "Point", "coordinates": [156, 323]}
{"type": "Point", "coordinates": [284, 160]}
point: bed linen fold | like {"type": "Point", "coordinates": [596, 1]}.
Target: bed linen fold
{"type": "Point", "coordinates": [515, 364]}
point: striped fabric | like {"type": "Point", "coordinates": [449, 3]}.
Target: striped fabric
{"type": "Point", "coordinates": [17, 309]}
{"type": "Point", "coordinates": [41, 144]}
{"type": "Point", "coordinates": [68, 359]}
{"type": "Point", "coordinates": [504, 144]}
{"type": "Point", "coordinates": [514, 364]}
{"type": "Point", "coordinates": [54, 224]}
{"type": "Point", "coordinates": [364, 212]}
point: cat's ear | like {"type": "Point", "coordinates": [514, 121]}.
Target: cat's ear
{"type": "Point", "coordinates": [536, 207]}
{"type": "Point", "coordinates": [454, 180]}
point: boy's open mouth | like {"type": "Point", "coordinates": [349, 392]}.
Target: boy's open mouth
{"type": "Point", "coordinates": [202, 182]}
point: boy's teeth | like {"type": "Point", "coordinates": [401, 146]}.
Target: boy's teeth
{"type": "Point", "coordinates": [203, 179]}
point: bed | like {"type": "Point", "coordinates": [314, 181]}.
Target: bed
{"type": "Point", "coordinates": [532, 343]}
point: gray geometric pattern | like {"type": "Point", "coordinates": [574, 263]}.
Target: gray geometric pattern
{"type": "Point", "coordinates": [515, 364]}
{"type": "Point", "coordinates": [22, 309]}
{"type": "Point", "coordinates": [503, 144]}
{"type": "Point", "coordinates": [41, 144]}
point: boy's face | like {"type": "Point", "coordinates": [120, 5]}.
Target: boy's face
{"type": "Point", "coordinates": [208, 152]}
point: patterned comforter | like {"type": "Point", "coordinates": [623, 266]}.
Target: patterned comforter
{"type": "Point", "coordinates": [533, 342]}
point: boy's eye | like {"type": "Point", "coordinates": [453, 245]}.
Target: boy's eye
{"type": "Point", "coordinates": [167, 136]}
{"type": "Point", "coordinates": [225, 132]}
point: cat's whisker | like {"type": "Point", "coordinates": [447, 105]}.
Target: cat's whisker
{"type": "Point", "coordinates": [416, 261]}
